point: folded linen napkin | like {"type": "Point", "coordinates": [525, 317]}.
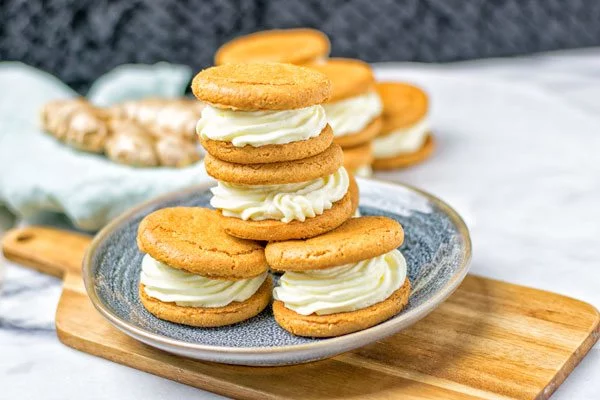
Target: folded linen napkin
{"type": "Point", "coordinates": [38, 174]}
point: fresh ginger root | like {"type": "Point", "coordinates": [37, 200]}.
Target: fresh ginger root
{"type": "Point", "coordinates": [177, 152]}
{"type": "Point", "coordinates": [77, 123]}
{"type": "Point", "coordinates": [130, 144]}
{"type": "Point", "coordinates": [140, 133]}
{"type": "Point", "coordinates": [162, 117]}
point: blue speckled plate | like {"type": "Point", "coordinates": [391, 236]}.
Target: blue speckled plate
{"type": "Point", "coordinates": [437, 248]}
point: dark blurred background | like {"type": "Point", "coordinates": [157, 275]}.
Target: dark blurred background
{"type": "Point", "coordinates": [78, 40]}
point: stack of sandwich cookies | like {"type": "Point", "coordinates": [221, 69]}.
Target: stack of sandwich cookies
{"type": "Point", "coordinates": [405, 138]}
{"type": "Point", "coordinates": [279, 175]}
{"type": "Point", "coordinates": [343, 281]}
{"type": "Point", "coordinates": [292, 46]}
{"type": "Point", "coordinates": [193, 273]}
{"type": "Point", "coordinates": [354, 110]}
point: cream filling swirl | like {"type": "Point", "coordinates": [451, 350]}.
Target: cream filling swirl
{"type": "Point", "coordinates": [402, 141]}
{"type": "Point", "coordinates": [342, 289]}
{"type": "Point", "coordinates": [352, 115]}
{"type": "Point", "coordinates": [172, 285]}
{"type": "Point", "coordinates": [285, 202]}
{"type": "Point", "coordinates": [261, 128]}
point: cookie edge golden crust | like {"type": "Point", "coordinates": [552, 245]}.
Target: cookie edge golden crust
{"type": "Point", "coordinates": [319, 35]}
{"type": "Point", "coordinates": [238, 95]}
{"type": "Point", "coordinates": [227, 266]}
{"type": "Point", "coordinates": [205, 317]}
{"type": "Point", "coordinates": [358, 156]}
{"type": "Point", "coordinates": [341, 323]}
{"type": "Point", "coordinates": [271, 153]}
{"type": "Point", "coordinates": [271, 230]}
{"type": "Point", "coordinates": [366, 135]}
{"type": "Point", "coordinates": [391, 123]}
{"type": "Point", "coordinates": [302, 255]}
{"type": "Point", "coordinates": [303, 170]}
{"type": "Point", "coordinates": [407, 160]}
{"type": "Point", "coordinates": [351, 89]}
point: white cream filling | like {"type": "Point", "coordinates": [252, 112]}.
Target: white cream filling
{"type": "Point", "coordinates": [285, 202]}
{"type": "Point", "coordinates": [342, 289]}
{"type": "Point", "coordinates": [172, 285]}
{"type": "Point", "coordinates": [352, 115]}
{"type": "Point", "coordinates": [261, 128]}
{"type": "Point", "coordinates": [402, 141]}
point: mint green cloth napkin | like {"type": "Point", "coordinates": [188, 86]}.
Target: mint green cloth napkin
{"type": "Point", "coordinates": [38, 174]}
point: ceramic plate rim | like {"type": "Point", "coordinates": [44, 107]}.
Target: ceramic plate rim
{"type": "Point", "coordinates": [351, 340]}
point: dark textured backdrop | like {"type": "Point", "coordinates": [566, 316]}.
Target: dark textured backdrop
{"type": "Point", "coordinates": [81, 39]}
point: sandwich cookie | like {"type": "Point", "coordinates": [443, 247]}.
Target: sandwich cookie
{"type": "Point", "coordinates": [291, 46]}
{"type": "Point", "coordinates": [354, 109]}
{"type": "Point", "coordinates": [285, 200]}
{"type": "Point", "coordinates": [341, 282]}
{"type": "Point", "coordinates": [406, 137]}
{"type": "Point", "coordinates": [262, 113]}
{"type": "Point", "coordinates": [193, 273]}
{"type": "Point", "coordinates": [358, 159]}
{"type": "Point", "coordinates": [282, 211]}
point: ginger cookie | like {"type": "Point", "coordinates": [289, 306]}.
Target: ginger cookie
{"type": "Point", "coordinates": [205, 317]}
{"type": "Point", "coordinates": [261, 86]}
{"type": "Point", "coordinates": [354, 108]}
{"type": "Point", "coordinates": [274, 230]}
{"type": "Point", "coordinates": [358, 156]}
{"type": "Point", "coordinates": [364, 136]}
{"type": "Point", "coordinates": [192, 239]}
{"type": "Point", "coordinates": [302, 170]}
{"type": "Point", "coordinates": [403, 105]}
{"type": "Point", "coordinates": [407, 159]}
{"type": "Point", "coordinates": [355, 240]}
{"type": "Point", "coordinates": [349, 77]}
{"type": "Point", "coordinates": [292, 46]}
{"type": "Point", "coordinates": [341, 323]}
{"type": "Point", "coordinates": [271, 153]}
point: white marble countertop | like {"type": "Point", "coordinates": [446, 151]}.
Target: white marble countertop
{"type": "Point", "coordinates": [519, 145]}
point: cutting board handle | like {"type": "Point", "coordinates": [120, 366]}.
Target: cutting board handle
{"type": "Point", "coordinates": [51, 251]}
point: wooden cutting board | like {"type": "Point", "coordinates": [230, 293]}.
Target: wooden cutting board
{"type": "Point", "coordinates": [489, 340]}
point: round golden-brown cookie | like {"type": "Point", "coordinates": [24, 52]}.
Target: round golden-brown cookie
{"type": "Point", "coordinates": [191, 239]}
{"type": "Point", "coordinates": [355, 240]}
{"type": "Point", "coordinates": [406, 160]}
{"type": "Point", "coordinates": [270, 153]}
{"type": "Point", "coordinates": [207, 317]}
{"type": "Point", "coordinates": [293, 46]}
{"type": "Point", "coordinates": [271, 230]}
{"type": "Point", "coordinates": [354, 195]}
{"type": "Point", "coordinates": [261, 86]}
{"type": "Point", "coordinates": [342, 323]}
{"type": "Point", "coordinates": [362, 137]}
{"type": "Point", "coordinates": [306, 169]}
{"type": "Point", "coordinates": [348, 77]}
{"type": "Point", "coordinates": [358, 156]}
{"type": "Point", "coordinates": [403, 105]}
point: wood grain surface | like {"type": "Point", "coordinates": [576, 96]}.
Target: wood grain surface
{"type": "Point", "coordinates": [489, 340]}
